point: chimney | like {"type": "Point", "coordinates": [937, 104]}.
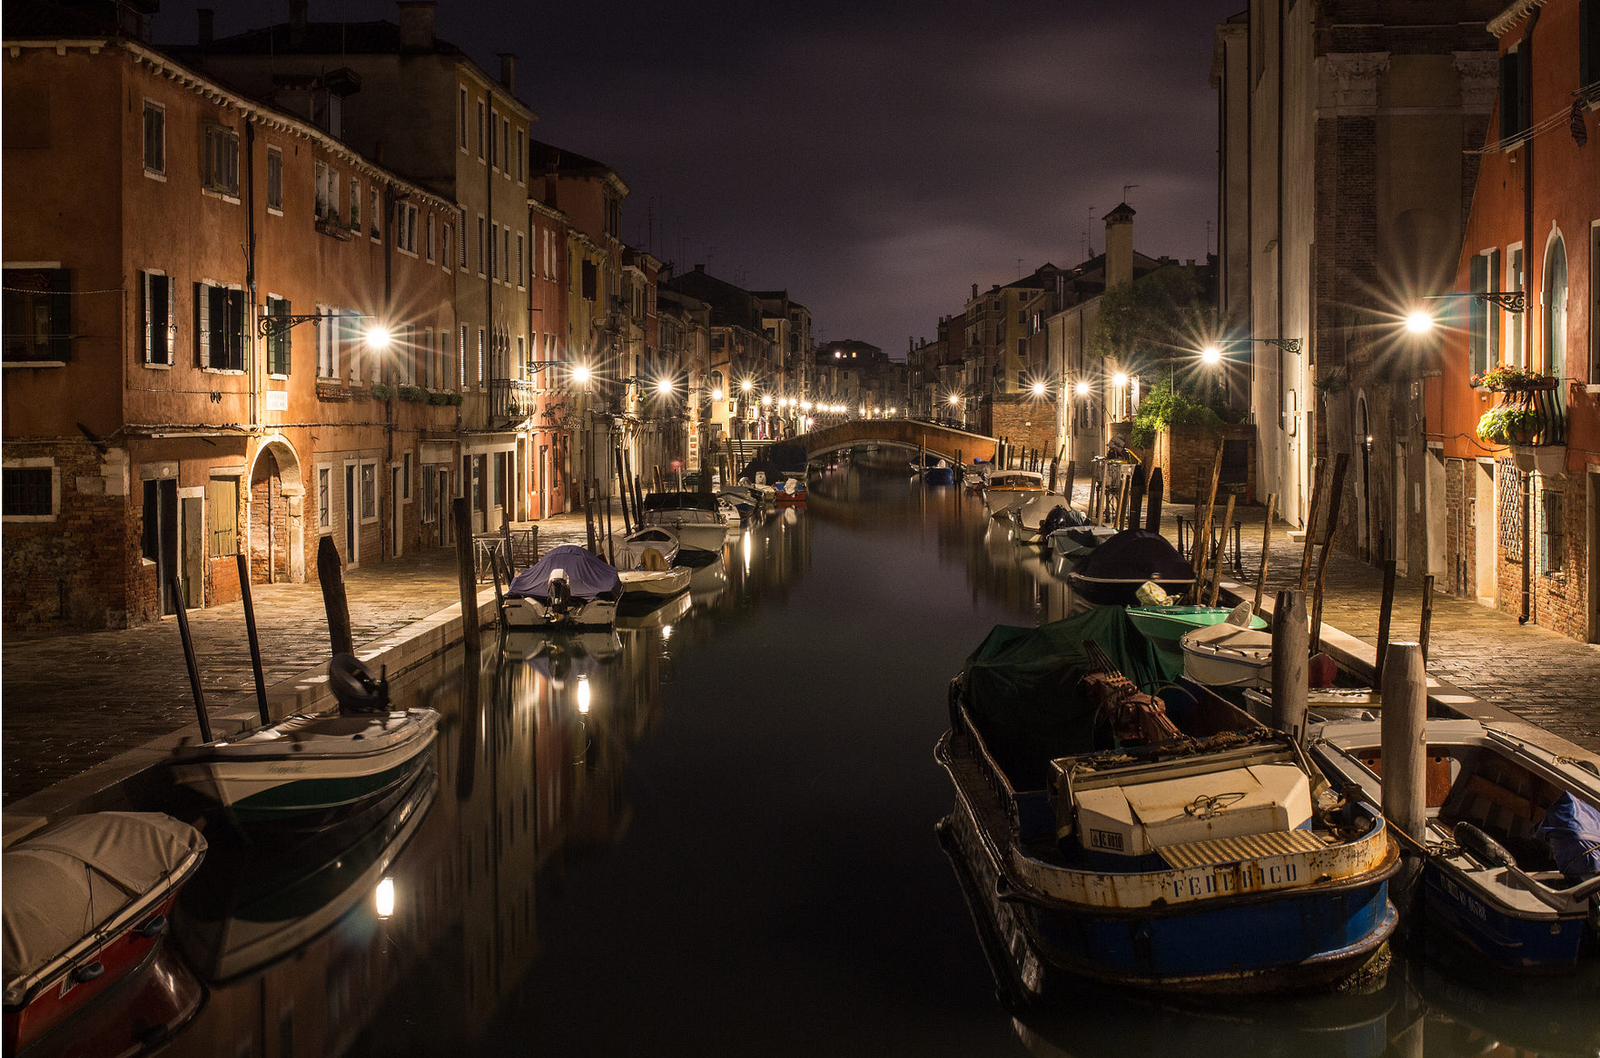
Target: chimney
{"type": "Point", "coordinates": [974, 293]}
{"type": "Point", "coordinates": [416, 25]}
{"type": "Point", "coordinates": [297, 22]}
{"type": "Point", "coordinates": [508, 71]}
{"type": "Point", "coordinates": [1119, 246]}
{"type": "Point", "coordinates": [205, 16]}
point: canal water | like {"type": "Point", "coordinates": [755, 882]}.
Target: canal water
{"type": "Point", "coordinates": [713, 833]}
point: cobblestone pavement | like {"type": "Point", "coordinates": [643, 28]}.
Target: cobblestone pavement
{"type": "Point", "coordinates": [1547, 679]}
{"type": "Point", "coordinates": [70, 702]}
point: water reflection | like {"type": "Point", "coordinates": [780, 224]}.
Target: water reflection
{"type": "Point", "coordinates": [711, 831]}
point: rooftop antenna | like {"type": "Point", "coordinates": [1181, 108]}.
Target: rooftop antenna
{"type": "Point", "coordinates": [1208, 237]}
{"type": "Point", "coordinates": [1088, 242]}
{"type": "Point", "coordinates": [1019, 268]}
{"type": "Point", "coordinates": [1125, 189]}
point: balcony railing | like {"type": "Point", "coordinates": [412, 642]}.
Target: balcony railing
{"type": "Point", "coordinates": [1528, 414]}
{"type": "Point", "coordinates": [510, 399]}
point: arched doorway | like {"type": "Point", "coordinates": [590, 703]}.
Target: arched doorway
{"type": "Point", "coordinates": [276, 526]}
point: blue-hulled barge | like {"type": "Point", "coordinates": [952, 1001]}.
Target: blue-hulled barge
{"type": "Point", "coordinates": [1210, 858]}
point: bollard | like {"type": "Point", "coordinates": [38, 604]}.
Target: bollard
{"type": "Point", "coordinates": [1404, 745]}
{"type": "Point", "coordinates": [250, 629]}
{"type": "Point", "coordinates": [467, 576]}
{"type": "Point", "coordinates": [1289, 654]}
{"type": "Point", "coordinates": [330, 573]}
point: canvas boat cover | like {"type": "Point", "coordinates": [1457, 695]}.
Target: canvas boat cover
{"type": "Point", "coordinates": [1572, 829]}
{"type": "Point", "coordinates": [588, 577]}
{"type": "Point", "coordinates": [1136, 555]}
{"type": "Point", "coordinates": [1022, 687]}
{"type": "Point", "coordinates": [65, 882]}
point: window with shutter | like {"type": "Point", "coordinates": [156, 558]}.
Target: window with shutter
{"type": "Point", "coordinates": [278, 344]}
{"type": "Point", "coordinates": [158, 325]}
{"type": "Point", "coordinates": [223, 498]}
{"type": "Point", "coordinates": [155, 138]}
{"type": "Point", "coordinates": [274, 178]}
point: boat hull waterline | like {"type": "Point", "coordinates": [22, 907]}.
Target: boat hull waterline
{"type": "Point", "coordinates": [1253, 926]}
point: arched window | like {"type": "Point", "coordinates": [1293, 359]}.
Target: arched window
{"type": "Point", "coordinates": [1554, 332]}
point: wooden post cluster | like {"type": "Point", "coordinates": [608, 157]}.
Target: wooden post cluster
{"type": "Point", "coordinates": [466, 573]}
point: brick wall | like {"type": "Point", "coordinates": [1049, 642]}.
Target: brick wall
{"type": "Point", "coordinates": [72, 573]}
{"type": "Point", "coordinates": [1187, 455]}
{"type": "Point", "coordinates": [1025, 424]}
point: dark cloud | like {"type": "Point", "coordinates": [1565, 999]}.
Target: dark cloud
{"type": "Point", "coordinates": [873, 159]}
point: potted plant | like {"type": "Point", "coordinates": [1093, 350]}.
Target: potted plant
{"type": "Point", "coordinates": [1508, 424]}
{"type": "Point", "coordinates": [382, 391]}
{"type": "Point", "coordinates": [1507, 379]}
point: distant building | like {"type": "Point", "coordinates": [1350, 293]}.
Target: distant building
{"type": "Point", "coordinates": [1345, 141]}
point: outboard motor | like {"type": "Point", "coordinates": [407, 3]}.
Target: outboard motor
{"type": "Point", "coordinates": [356, 689]}
{"type": "Point", "coordinates": [1056, 519]}
{"type": "Point", "coordinates": [560, 591]}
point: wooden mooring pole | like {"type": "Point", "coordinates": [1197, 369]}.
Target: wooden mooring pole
{"type": "Point", "coordinates": [250, 630]}
{"type": "Point", "coordinates": [1339, 467]}
{"type": "Point", "coordinates": [1427, 616]}
{"type": "Point", "coordinates": [188, 656]}
{"type": "Point", "coordinates": [330, 574]}
{"type": "Point", "coordinates": [1385, 613]}
{"type": "Point", "coordinates": [1266, 550]}
{"type": "Point", "coordinates": [1311, 523]}
{"type": "Point", "coordinates": [1221, 553]}
{"type": "Point", "coordinates": [1152, 521]}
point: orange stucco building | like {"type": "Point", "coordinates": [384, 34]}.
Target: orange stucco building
{"type": "Point", "coordinates": [1524, 506]}
{"type": "Point", "coordinates": [155, 224]}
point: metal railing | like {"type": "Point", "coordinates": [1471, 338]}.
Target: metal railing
{"type": "Point", "coordinates": [510, 399]}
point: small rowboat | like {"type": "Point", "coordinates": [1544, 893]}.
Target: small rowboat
{"type": "Point", "coordinates": [1225, 655]}
{"type": "Point", "coordinates": [1165, 626]}
{"type": "Point", "coordinates": [86, 905]}
{"type": "Point", "coordinates": [644, 585]}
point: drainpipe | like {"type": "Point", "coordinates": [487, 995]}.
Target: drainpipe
{"type": "Point", "coordinates": [250, 262]}
{"type": "Point", "coordinates": [1525, 75]}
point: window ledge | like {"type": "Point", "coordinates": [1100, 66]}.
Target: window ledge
{"type": "Point", "coordinates": [34, 363]}
{"type": "Point", "coordinates": [157, 367]}
{"type": "Point", "coordinates": [28, 518]}
{"type": "Point", "coordinates": [223, 370]}
{"type": "Point", "coordinates": [276, 211]}
{"type": "Point", "coordinates": [153, 174]}
{"type": "Point", "coordinates": [1591, 390]}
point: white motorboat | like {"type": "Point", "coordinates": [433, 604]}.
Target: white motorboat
{"type": "Point", "coordinates": [567, 587]}
{"type": "Point", "coordinates": [695, 518]}
{"type": "Point", "coordinates": [1006, 488]}
{"type": "Point", "coordinates": [1227, 655]}
{"type": "Point", "coordinates": [308, 772]}
{"type": "Point", "coordinates": [1027, 519]}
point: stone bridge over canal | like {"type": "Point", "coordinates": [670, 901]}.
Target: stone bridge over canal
{"type": "Point", "coordinates": [954, 445]}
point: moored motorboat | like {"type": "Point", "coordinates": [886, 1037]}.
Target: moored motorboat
{"type": "Point", "coordinates": [1110, 574]}
{"type": "Point", "coordinates": [791, 493]}
{"type": "Point", "coordinates": [1511, 861]}
{"type": "Point", "coordinates": [694, 517]}
{"type": "Point", "coordinates": [568, 586]}
{"type": "Point", "coordinates": [1039, 513]}
{"type": "Point", "coordinates": [309, 772]}
{"type": "Point", "coordinates": [1228, 655]}
{"type": "Point", "coordinates": [1207, 857]}
{"type": "Point", "coordinates": [87, 902]}
{"type": "Point", "coordinates": [1003, 488]}
{"type": "Point", "coordinates": [631, 549]}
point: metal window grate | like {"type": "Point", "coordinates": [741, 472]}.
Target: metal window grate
{"type": "Point", "coordinates": [1508, 482]}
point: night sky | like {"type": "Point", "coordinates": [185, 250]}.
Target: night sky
{"type": "Point", "coordinates": [874, 159]}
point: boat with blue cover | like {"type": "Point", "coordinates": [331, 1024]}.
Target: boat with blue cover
{"type": "Point", "coordinates": [568, 587]}
{"type": "Point", "coordinates": [1169, 842]}
{"type": "Point", "coordinates": [1511, 864]}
